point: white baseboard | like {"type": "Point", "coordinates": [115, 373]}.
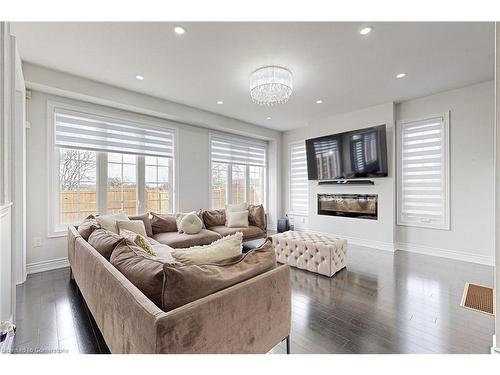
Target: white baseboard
{"type": "Point", "coordinates": [495, 349]}
{"type": "Point", "coordinates": [379, 245]}
{"type": "Point", "coordinates": [445, 253]}
{"type": "Point", "coordinates": [47, 265]}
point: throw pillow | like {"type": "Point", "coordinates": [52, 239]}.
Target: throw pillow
{"type": "Point", "coordinates": [164, 252]}
{"type": "Point", "coordinates": [104, 241]}
{"type": "Point", "coordinates": [225, 248]}
{"type": "Point", "coordinates": [108, 222]}
{"type": "Point", "coordinates": [184, 284]}
{"type": "Point", "coordinates": [190, 224]}
{"type": "Point", "coordinates": [214, 218]}
{"type": "Point", "coordinates": [236, 207]}
{"type": "Point", "coordinates": [237, 219]}
{"type": "Point", "coordinates": [178, 218]}
{"type": "Point", "coordinates": [147, 222]}
{"type": "Point", "coordinates": [163, 223]}
{"type": "Point", "coordinates": [139, 240]}
{"type": "Point", "coordinates": [141, 269]}
{"type": "Point", "coordinates": [257, 216]}
{"type": "Point", "coordinates": [87, 226]}
{"type": "Point", "coordinates": [136, 226]}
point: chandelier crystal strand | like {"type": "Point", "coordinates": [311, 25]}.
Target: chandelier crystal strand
{"type": "Point", "coordinates": [271, 85]}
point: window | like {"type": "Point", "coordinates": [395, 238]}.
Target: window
{"type": "Point", "coordinates": [238, 171]}
{"type": "Point", "coordinates": [299, 185]}
{"type": "Point", "coordinates": [423, 170]}
{"type": "Point", "coordinates": [159, 184]}
{"type": "Point", "coordinates": [122, 184]}
{"type": "Point", "coordinates": [108, 165]}
{"type": "Point", "coordinates": [77, 184]}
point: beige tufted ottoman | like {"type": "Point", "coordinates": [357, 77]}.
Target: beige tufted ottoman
{"type": "Point", "coordinates": [311, 252]}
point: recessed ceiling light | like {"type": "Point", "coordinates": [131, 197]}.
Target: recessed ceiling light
{"type": "Point", "coordinates": [268, 118]}
{"type": "Point", "coordinates": [401, 75]}
{"type": "Point", "coordinates": [319, 101]}
{"type": "Point", "coordinates": [139, 77]}
{"type": "Point", "coordinates": [220, 102]}
{"type": "Point", "coordinates": [365, 30]}
{"type": "Point", "coordinates": [179, 30]}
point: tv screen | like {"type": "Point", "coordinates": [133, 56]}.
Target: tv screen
{"type": "Point", "coordinates": [356, 154]}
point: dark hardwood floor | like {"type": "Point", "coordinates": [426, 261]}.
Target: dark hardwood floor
{"type": "Point", "coordinates": [382, 303]}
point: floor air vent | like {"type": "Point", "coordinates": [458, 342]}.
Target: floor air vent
{"type": "Point", "coordinates": [479, 298]}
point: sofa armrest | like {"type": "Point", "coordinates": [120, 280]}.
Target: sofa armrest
{"type": "Point", "coordinates": [250, 317]}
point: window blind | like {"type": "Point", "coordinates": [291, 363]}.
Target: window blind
{"type": "Point", "coordinates": [299, 185]}
{"type": "Point", "coordinates": [237, 152]}
{"type": "Point", "coordinates": [423, 171]}
{"type": "Point", "coordinates": [75, 129]}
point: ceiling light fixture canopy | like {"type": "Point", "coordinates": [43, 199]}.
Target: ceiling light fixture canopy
{"type": "Point", "coordinates": [365, 30]}
{"type": "Point", "coordinates": [271, 85]}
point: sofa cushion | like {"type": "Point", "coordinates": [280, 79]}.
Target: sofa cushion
{"type": "Point", "coordinates": [182, 240]}
{"type": "Point", "coordinates": [108, 222]}
{"type": "Point", "coordinates": [213, 218]}
{"type": "Point", "coordinates": [141, 269]}
{"type": "Point", "coordinates": [104, 241]}
{"type": "Point", "coordinates": [163, 223]}
{"type": "Point", "coordinates": [222, 249]}
{"type": "Point", "coordinates": [257, 216]}
{"type": "Point", "coordinates": [184, 284]}
{"type": "Point", "coordinates": [250, 232]}
{"type": "Point", "coordinates": [237, 219]}
{"type": "Point", "coordinates": [147, 222]}
{"type": "Point", "coordinates": [87, 226]}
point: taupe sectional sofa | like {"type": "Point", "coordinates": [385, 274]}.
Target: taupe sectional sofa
{"type": "Point", "coordinates": [164, 229]}
{"type": "Point", "coordinates": [252, 316]}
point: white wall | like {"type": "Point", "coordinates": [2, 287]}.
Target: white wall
{"type": "Point", "coordinates": [7, 77]}
{"type": "Point", "coordinates": [376, 233]}
{"type": "Point", "coordinates": [496, 340]}
{"type": "Point", "coordinates": [471, 175]}
{"type": "Point", "coordinates": [192, 145]}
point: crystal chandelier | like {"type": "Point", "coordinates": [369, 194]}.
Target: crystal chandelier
{"type": "Point", "coordinates": [271, 85]}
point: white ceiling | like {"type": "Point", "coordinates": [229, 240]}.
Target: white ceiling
{"type": "Point", "coordinates": [212, 61]}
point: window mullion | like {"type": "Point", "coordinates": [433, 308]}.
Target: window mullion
{"type": "Point", "coordinates": [102, 182]}
{"type": "Point", "coordinates": [141, 184]}
{"type": "Point", "coordinates": [247, 183]}
{"type": "Point", "coordinates": [229, 188]}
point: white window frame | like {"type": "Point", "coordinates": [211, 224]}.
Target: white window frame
{"type": "Point", "coordinates": [290, 205]}
{"type": "Point", "coordinates": [54, 229]}
{"type": "Point", "coordinates": [446, 179]}
{"type": "Point", "coordinates": [230, 165]}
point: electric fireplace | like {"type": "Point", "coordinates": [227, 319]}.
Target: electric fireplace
{"type": "Point", "coordinates": [361, 206]}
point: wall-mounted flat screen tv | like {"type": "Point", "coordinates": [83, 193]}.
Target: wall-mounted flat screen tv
{"type": "Point", "coordinates": [355, 154]}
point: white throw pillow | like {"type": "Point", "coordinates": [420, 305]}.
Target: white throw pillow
{"type": "Point", "coordinates": [178, 218]}
{"type": "Point", "coordinates": [136, 226]}
{"type": "Point", "coordinates": [225, 248]}
{"type": "Point", "coordinates": [164, 252]}
{"type": "Point", "coordinates": [237, 219]}
{"type": "Point", "coordinates": [108, 222]}
{"type": "Point", "coordinates": [236, 207]}
{"type": "Point", "coordinates": [190, 224]}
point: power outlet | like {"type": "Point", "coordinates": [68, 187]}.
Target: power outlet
{"type": "Point", "coordinates": [37, 241]}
